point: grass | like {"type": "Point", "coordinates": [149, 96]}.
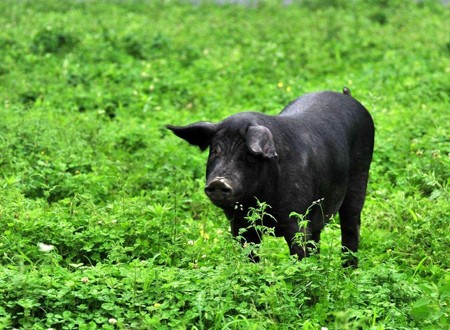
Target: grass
{"type": "Point", "coordinates": [103, 222]}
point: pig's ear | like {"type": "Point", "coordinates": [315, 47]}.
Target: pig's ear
{"type": "Point", "coordinates": [198, 134]}
{"type": "Point", "coordinates": [260, 141]}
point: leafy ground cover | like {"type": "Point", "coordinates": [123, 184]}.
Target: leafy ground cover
{"type": "Point", "coordinates": [103, 222]}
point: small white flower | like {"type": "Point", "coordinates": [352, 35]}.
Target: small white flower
{"type": "Point", "coordinates": [320, 200]}
{"type": "Point", "coordinates": [191, 242]}
{"type": "Point", "coordinates": [239, 206]}
{"type": "Point", "coordinates": [112, 321]}
{"type": "Point", "coordinates": [45, 247]}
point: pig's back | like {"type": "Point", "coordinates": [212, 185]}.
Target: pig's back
{"type": "Point", "coordinates": [321, 103]}
{"type": "Point", "coordinates": [328, 109]}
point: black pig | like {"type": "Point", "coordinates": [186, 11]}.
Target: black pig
{"type": "Point", "coordinates": [319, 148]}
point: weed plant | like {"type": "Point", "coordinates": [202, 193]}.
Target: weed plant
{"type": "Point", "coordinates": [103, 220]}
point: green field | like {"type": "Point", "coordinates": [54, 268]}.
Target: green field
{"type": "Point", "coordinates": [103, 219]}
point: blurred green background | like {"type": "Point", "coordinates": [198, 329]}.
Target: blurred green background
{"type": "Point", "coordinates": [88, 170]}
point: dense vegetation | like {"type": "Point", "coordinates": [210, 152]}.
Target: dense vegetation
{"type": "Point", "coordinates": [103, 220]}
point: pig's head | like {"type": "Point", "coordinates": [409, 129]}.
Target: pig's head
{"type": "Point", "coordinates": [240, 154]}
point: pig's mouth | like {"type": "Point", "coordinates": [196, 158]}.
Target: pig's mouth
{"type": "Point", "coordinates": [221, 192]}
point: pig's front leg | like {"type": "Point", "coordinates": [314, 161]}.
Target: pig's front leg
{"type": "Point", "coordinates": [246, 235]}
{"type": "Point", "coordinates": [251, 235]}
{"type": "Point", "coordinates": [301, 241]}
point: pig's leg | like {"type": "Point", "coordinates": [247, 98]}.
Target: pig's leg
{"type": "Point", "coordinates": [247, 236]}
{"type": "Point", "coordinates": [251, 236]}
{"type": "Point", "coordinates": [302, 244]}
{"type": "Point", "coordinates": [350, 216]}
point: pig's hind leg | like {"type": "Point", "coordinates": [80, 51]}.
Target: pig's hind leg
{"type": "Point", "coordinates": [350, 217]}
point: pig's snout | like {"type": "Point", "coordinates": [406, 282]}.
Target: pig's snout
{"type": "Point", "coordinates": [219, 190]}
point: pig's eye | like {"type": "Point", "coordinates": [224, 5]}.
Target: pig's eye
{"type": "Point", "coordinates": [215, 151]}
